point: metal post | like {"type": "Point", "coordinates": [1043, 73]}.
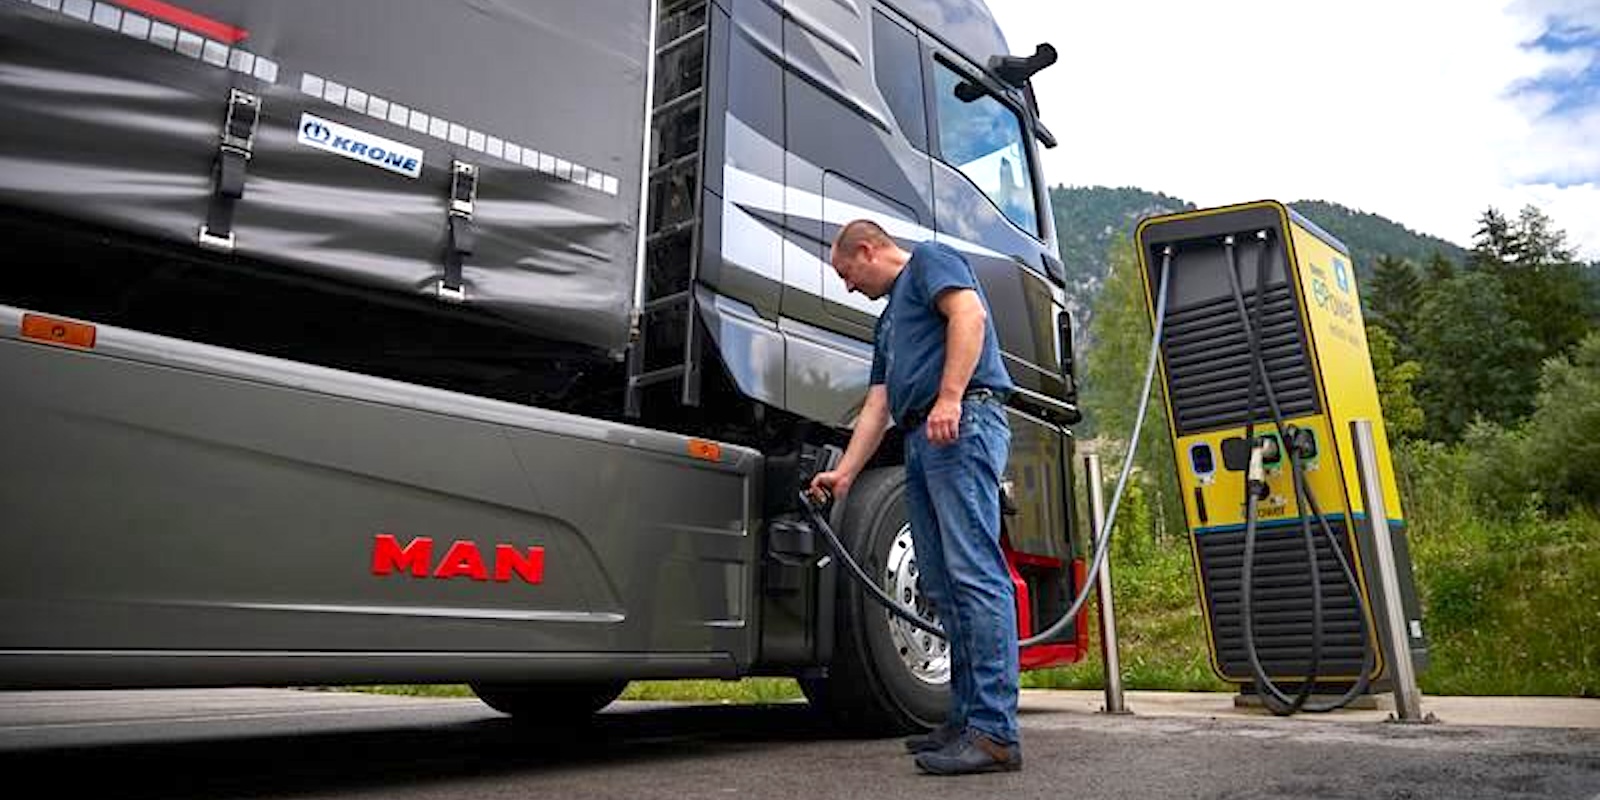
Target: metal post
{"type": "Point", "coordinates": [1407, 698]}
{"type": "Point", "coordinates": [1108, 613]}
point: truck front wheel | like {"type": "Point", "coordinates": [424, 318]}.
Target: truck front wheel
{"type": "Point", "coordinates": [564, 701]}
{"type": "Point", "coordinates": [886, 676]}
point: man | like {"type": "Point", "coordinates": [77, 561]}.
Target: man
{"type": "Point", "coordinates": [937, 373]}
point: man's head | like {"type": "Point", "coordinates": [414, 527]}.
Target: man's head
{"type": "Point", "coordinates": [866, 259]}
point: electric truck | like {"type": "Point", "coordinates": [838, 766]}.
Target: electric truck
{"type": "Point", "coordinates": [426, 341]}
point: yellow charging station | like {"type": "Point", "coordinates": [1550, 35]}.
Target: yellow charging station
{"type": "Point", "coordinates": [1296, 285]}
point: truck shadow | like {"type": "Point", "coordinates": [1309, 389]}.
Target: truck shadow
{"type": "Point", "coordinates": [409, 758]}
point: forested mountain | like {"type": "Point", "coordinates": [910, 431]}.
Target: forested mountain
{"type": "Point", "coordinates": [1369, 236]}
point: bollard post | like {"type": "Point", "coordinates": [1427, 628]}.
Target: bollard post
{"type": "Point", "coordinates": [1407, 697]}
{"type": "Point", "coordinates": [1108, 614]}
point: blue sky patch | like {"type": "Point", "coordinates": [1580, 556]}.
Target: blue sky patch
{"type": "Point", "coordinates": [1568, 96]}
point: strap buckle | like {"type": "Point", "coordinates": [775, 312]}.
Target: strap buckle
{"type": "Point", "coordinates": [463, 236]}
{"type": "Point", "coordinates": [239, 127]}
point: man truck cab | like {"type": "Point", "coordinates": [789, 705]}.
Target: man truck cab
{"type": "Point", "coordinates": [435, 342]}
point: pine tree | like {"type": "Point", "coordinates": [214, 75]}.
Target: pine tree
{"type": "Point", "coordinates": [1494, 243]}
{"type": "Point", "coordinates": [1392, 296]}
{"type": "Point", "coordinates": [1544, 285]}
{"type": "Point", "coordinates": [1440, 267]}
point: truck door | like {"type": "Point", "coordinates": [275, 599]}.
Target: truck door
{"type": "Point", "coordinates": [989, 204]}
{"type": "Point", "coordinates": [857, 138]}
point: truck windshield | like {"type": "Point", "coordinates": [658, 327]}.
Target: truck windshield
{"type": "Point", "coordinates": [983, 139]}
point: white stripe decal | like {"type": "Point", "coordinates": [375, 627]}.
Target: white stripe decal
{"type": "Point", "coordinates": [164, 36]}
{"type": "Point", "coordinates": [456, 133]}
{"type": "Point", "coordinates": [753, 191]}
{"type": "Point", "coordinates": [743, 189]}
{"type": "Point", "coordinates": [750, 244]}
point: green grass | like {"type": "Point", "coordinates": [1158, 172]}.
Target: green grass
{"type": "Point", "coordinates": [1517, 623]}
{"type": "Point", "coordinates": [414, 690]}
{"type": "Point", "coordinates": [1511, 602]}
{"type": "Point", "coordinates": [1161, 636]}
{"type": "Point", "coordinates": [749, 690]}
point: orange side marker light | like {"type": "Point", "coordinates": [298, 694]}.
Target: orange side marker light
{"type": "Point", "coordinates": [704, 450]}
{"type": "Point", "coordinates": [61, 332]}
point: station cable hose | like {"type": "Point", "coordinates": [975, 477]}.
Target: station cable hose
{"type": "Point", "coordinates": [1275, 699]}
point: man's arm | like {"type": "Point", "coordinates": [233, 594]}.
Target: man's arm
{"type": "Point", "coordinates": [864, 441]}
{"type": "Point", "coordinates": [964, 328]}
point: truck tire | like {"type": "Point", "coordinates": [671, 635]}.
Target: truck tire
{"type": "Point", "coordinates": [885, 677]}
{"type": "Point", "coordinates": [563, 701]}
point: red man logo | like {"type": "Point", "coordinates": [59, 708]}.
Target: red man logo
{"type": "Point", "coordinates": [462, 560]}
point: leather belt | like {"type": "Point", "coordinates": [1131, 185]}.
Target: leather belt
{"type": "Point", "coordinates": [917, 416]}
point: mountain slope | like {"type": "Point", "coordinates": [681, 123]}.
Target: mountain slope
{"type": "Point", "coordinates": [1370, 235]}
{"type": "Point", "coordinates": [1088, 218]}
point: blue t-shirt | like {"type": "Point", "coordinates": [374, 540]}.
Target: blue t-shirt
{"type": "Point", "coordinates": [908, 352]}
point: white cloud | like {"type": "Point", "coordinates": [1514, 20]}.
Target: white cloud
{"type": "Point", "coordinates": [1584, 13]}
{"type": "Point", "coordinates": [1384, 105]}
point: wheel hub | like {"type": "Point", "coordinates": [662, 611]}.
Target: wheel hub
{"type": "Point", "coordinates": [926, 656]}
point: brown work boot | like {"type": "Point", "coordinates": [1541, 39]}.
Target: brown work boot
{"type": "Point", "coordinates": [972, 753]}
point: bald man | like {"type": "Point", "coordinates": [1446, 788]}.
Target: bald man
{"type": "Point", "coordinates": [937, 374]}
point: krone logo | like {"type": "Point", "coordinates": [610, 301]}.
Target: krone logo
{"type": "Point", "coordinates": [316, 131]}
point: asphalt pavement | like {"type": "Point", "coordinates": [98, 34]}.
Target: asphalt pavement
{"type": "Point", "coordinates": [280, 743]}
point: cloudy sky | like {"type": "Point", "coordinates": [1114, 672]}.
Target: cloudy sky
{"type": "Point", "coordinates": [1424, 111]}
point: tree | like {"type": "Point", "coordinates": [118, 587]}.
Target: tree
{"type": "Point", "coordinates": [1392, 295]}
{"type": "Point", "coordinates": [1440, 268]}
{"type": "Point", "coordinates": [1402, 415]}
{"type": "Point", "coordinates": [1478, 358]}
{"type": "Point", "coordinates": [1557, 302]}
{"type": "Point", "coordinates": [1563, 435]}
{"type": "Point", "coordinates": [1546, 288]}
{"type": "Point", "coordinates": [1537, 241]}
{"type": "Point", "coordinates": [1493, 243]}
{"type": "Point", "coordinates": [1113, 376]}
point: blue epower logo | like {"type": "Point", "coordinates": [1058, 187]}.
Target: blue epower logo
{"type": "Point", "coordinates": [360, 145]}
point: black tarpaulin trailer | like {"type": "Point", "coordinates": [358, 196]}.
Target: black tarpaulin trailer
{"type": "Point", "coordinates": [380, 155]}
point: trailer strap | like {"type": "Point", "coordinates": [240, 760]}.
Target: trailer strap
{"type": "Point", "coordinates": [233, 157]}
{"type": "Point", "coordinates": [463, 203]}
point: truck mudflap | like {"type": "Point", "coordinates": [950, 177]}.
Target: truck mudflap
{"type": "Point", "coordinates": [182, 514]}
{"type": "Point", "coordinates": [481, 153]}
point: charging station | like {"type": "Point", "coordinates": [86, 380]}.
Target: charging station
{"type": "Point", "coordinates": [1265, 358]}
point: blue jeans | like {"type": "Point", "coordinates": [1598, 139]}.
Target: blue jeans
{"type": "Point", "coordinates": [953, 498]}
